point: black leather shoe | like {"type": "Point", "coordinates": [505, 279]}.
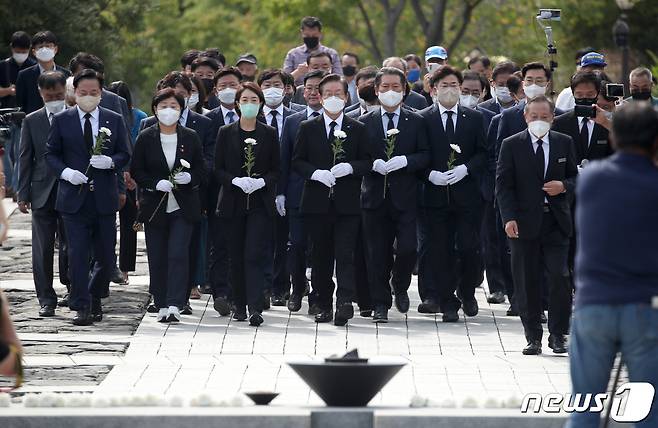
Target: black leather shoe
{"type": "Point", "coordinates": [402, 302]}
{"type": "Point", "coordinates": [64, 302]}
{"type": "Point", "coordinates": [470, 307]}
{"type": "Point", "coordinates": [450, 316]}
{"type": "Point", "coordinates": [83, 318]}
{"type": "Point", "coordinates": [117, 276]}
{"type": "Point", "coordinates": [324, 316]}
{"type": "Point", "coordinates": [152, 309]}
{"type": "Point", "coordinates": [186, 309]}
{"type": "Point", "coordinates": [344, 312]}
{"type": "Point", "coordinates": [496, 297]}
{"type": "Point", "coordinates": [314, 309]}
{"type": "Point", "coordinates": [429, 307]}
{"type": "Point", "coordinates": [512, 312]}
{"type": "Point", "coordinates": [267, 296]}
{"type": "Point", "coordinates": [542, 318]}
{"type": "Point", "coordinates": [255, 319]}
{"type": "Point", "coordinates": [96, 310]}
{"type": "Point", "coordinates": [222, 306]}
{"type": "Point", "coordinates": [278, 300]}
{"type": "Point", "coordinates": [47, 311]}
{"type": "Point", "coordinates": [557, 343]}
{"type": "Point", "coordinates": [533, 348]}
{"type": "Point", "coordinates": [365, 313]}
{"type": "Point", "coordinates": [240, 314]}
{"type": "Point", "coordinates": [380, 315]}
{"type": "Point", "coordinates": [295, 302]}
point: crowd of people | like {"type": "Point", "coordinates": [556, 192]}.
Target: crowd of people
{"type": "Point", "coordinates": [324, 179]}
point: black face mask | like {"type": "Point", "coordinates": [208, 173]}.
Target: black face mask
{"type": "Point", "coordinates": [349, 70]}
{"type": "Point", "coordinates": [586, 101]}
{"type": "Point", "coordinates": [311, 42]}
{"type": "Point", "coordinates": [208, 85]}
{"type": "Point", "coordinates": [641, 95]}
{"type": "Point", "coordinates": [367, 93]}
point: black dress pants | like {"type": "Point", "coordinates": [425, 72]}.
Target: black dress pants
{"type": "Point", "coordinates": [127, 235]}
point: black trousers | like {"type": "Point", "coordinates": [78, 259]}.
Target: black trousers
{"type": "Point", "coordinates": [361, 272]}
{"type": "Point", "coordinates": [217, 256]}
{"type": "Point", "coordinates": [167, 246]}
{"type": "Point", "coordinates": [297, 249]}
{"type": "Point", "coordinates": [127, 235]}
{"type": "Point", "coordinates": [530, 259]}
{"type": "Point", "coordinates": [333, 238]}
{"type": "Point", "coordinates": [384, 227]}
{"type": "Point", "coordinates": [47, 224]}
{"type": "Point", "coordinates": [194, 254]}
{"type": "Point", "coordinates": [281, 274]}
{"type": "Point", "coordinates": [449, 235]}
{"type": "Point", "coordinates": [248, 255]}
{"type": "Point", "coordinates": [497, 269]}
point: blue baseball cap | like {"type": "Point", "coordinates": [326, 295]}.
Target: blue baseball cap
{"type": "Point", "coordinates": [593, 58]}
{"type": "Point", "coordinates": [436, 52]}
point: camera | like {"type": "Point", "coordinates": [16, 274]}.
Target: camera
{"type": "Point", "coordinates": [614, 90]}
{"type": "Point", "coordinates": [7, 117]}
{"type": "Point", "coordinates": [584, 111]}
{"type": "Point", "coordinates": [549, 14]}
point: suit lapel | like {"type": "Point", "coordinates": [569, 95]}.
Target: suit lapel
{"type": "Point", "coordinates": [460, 128]}
{"type": "Point", "coordinates": [552, 155]}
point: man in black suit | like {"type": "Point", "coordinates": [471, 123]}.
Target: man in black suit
{"type": "Point", "coordinates": [37, 190]}
{"type": "Point", "coordinates": [412, 99]}
{"type": "Point", "coordinates": [19, 60]}
{"type": "Point", "coordinates": [501, 97]}
{"type": "Point", "coordinates": [451, 201]}
{"type": "Point", "coordinates": [289, 192]}
{"type": "Point", "coordinates": [536, 175]}
{"type": "Point", "coordinates": [331, 153]}
{"type": "Point", "coordinates": [398, 140]}
{"type": "Point", "coordinates": [44, 48]}
{"type": "Point", "coordinates": [277, 283]}
{"type": "Point", "coordinates": [365, 87]}
{"type": "Point", "coordinates": [204, 68]}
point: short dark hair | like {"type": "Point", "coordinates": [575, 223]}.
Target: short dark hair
{"type": "Point", "coordinates": [635, 125]}
{"type": "Point", "coordinates": [287, 78]}
{"type": "Point", "coordinates": [540, 99]}
{"type": "Point", "coordinates": [391, 71]}
{"type": "Point", "coordinates": [202, 60]}
{"type": "Point", "coordinates": [318, 54]}
{"type": "Point", "coordinates": [121, 89]}
{"type": "Point", "coordinates": [269, 74]}
{"type": "Point", "coordinates": [21, 40]}
{"type": "Point", "coordinates": [332, 78]}
{"type": "Point", "coordinates": [368, 72]}
{"type": "Point", "coordinates": [253, 87]}
{"type": "Point", "coordinates": [216, 54]}
{"type": "Point", "coordinates": [174, 78]}
{"type": "Point", "coordinates": [227, 71]}
{"type": "Point", "coordinates": [514, 83]}
{"type": "Point", "coordinates": [311, 22]}
{"type": "Point", "coordinates": [536, 66]}
{"type": "Point", "coordinates": [87, 74]}
{"type": "Point", "coordinates": [84, 60]}
{"type": "Point", "coordinates": [486, 62]}
{"type": "Point", "coordinates": [353, 55]}
{"type": "Point", "coordinates": [505, 67]}
{"type": "Point", "coordinates": [164, 94]}
{"type": "Point", "coordinates": [44, 37]}
{"type": "Point", "coordinates": [314, 75]}
{"type": "Point", "coordinates": [188, 57]}
{"type": "Point", "coordinates": [474, 75]}
{"type": "Point", "coordinates": [583, 77]}
{"type": "Point", "coordinates": [50, 79]}
{"type": "Point", "coordinates": [413, 57]}
{"type": "Point", "coordinates": [445, 71]}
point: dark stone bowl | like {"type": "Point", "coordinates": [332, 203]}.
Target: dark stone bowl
{"type": "Point", "coordinates": [346, 384]}
{"type": "Point", "coordinates": [262, 398]}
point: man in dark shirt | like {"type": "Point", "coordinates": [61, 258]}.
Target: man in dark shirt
{"type": "Point", "coordinates": [616, 305]}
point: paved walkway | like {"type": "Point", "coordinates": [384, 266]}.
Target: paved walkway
{"type": "Point", "coordinates": [478, 357]}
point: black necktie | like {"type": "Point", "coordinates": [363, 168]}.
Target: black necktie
{"type": "Point", "coordinates": [391, 125]}
{"type": "Point", "coordinates": [332, 128]}
{"type": "Point", "coordinates": [274, 123]}
{"type": "Point", "coordinates": [315, 114]}
{"type": "Point", "coordinates": [584, 136]}
{"type": "Point", "coordinates": [450, 126]}
{"type": "Point", "coordinates": [231, 117]}
{"type": "Point", "coordinates": [539, 158]}
{"type": "Point", "coordinates": [88, 133]}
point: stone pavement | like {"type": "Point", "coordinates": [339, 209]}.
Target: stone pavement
{"type": "Point", "coordinates": [461, 364]}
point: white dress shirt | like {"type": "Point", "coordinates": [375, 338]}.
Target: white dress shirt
{"type": "Point", "coordinates": [225, 113]}
{"type": "Point", "coordinates": [385, 119]}
{"type": "Point", "coordinates": [444, 115]}
{"type": "Point", "coordinates": [94, 122]}
{"type": "Point", "coordinates": [182, 120]}
{"type": "Point", "coordinates": [169, 145]}
{"type": "Point", "coordinates": [328, 120]}
{"type": "Point", "coordinates": [279, 117]}
{"type": "Point", "coordinates": [310, 111]}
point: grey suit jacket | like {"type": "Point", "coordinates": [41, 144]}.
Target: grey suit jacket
{"type": "Point", "coordinates": [35, 180]}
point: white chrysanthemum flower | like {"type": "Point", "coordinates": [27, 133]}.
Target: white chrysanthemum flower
{"type": "Point", "coordinates": [105, 131]}
{"type": "Point", "coordinates": [456, 148]}
{"type": "Point", "coordinates": [185, 164]}
{"type": "Point", "coordinates": [392, 132]}
{"type": "Point", "coordinates": [340, 134]}
{"type": "Point", "coordinates": [250, 141]}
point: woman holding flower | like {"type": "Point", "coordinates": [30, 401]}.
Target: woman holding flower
{"type": "Point", "coordinates": [167, 165]}
{"type": "Point", "coordinates": [247, 167]}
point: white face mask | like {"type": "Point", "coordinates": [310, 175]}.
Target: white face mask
{"type": "Point", "coordinates": [227, 95]}
{"type": "Point", "coordinates": [447, 97]}
{"type": "Point", "coordinates": [390, 98]}
{"type": "Point", "coordinates": [533, 90]}
{"type": "Point", "coordinates": [45, 54]}
{"type": "Point", "coordinates": [19, 57]}
{"type": "Point", "coordinates": [273, 96]}
{"type": "Point", "coordinates": [539, 128]}
{"type": "Point", "coordinates": [87, 103]}
{"type": "Point", "coordinates": [168, 116]}
{"type": "Point", "coordinates": [333, 104]}
{"type": "Point", "coordinates": [469, 101]}
{"type": "Point", "coordinates": [55, 107]}
{"type": "Point", "coordinates": [432, 67]}
{"type": "Point", "coordinates": [193, 100]}
{"type": "Point", "coordinates": [503, 94]}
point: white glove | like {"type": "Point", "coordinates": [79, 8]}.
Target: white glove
{"type": "Point", "coordinates": [379, 166]}
{"type": "Point", "coordinates": [164, 186]}
{"type": "Point", "coordinates": [438, 178]}
{"type": "Point", "coordinates": [182, 178]}
{"type": "Point", "coordinates": [101, 162]}
{"type": "Point", "coordinates": [456, 174]}
{"type": "Point", "coordinates": [395, 163]}
{"type": "Point", "coordinates": [73, 176]}
{"type": "Point", "coordinates": [323, 176]}
{"type": "Point", "coordinates": [244, 183]}
{"type": "Point", "coordinates": [281, 205]}
{"type": "Point", "coordinates": [342, 169]}
{"type": "Point", "coordinates": [256, 184]}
